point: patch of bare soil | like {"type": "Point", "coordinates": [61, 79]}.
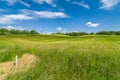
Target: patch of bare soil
{"type": "Point", "coordinates": [25, 62]}
{"type": "Point", "coordinates": [2, 50]}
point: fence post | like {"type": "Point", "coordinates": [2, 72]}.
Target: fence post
{"type": "Point", "coordinates": [16, 60]}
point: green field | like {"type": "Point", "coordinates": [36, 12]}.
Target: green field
{"type": "Point", "coordinates": [63, 57]}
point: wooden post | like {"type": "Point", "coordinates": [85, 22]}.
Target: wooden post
{"type": "Point", "coordinates": [16, 60]}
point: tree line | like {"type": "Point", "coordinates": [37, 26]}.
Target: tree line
{"type": "Point", "coordinates": [92, 33]}
{"type": "Point", "coordinates": [4, 31]}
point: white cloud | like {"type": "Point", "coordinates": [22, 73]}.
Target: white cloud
{"type": "Point", "coordinates": [59, 29]}
{"type": "Point", "coordinates": [50, 2]}
{"type": "Point", "coordinates": [94, 25]}
{"type": "Point", "coordinates": [24, 3]}
{"type": "Point", "coordinates": [18, 17]}
{"type": "Point", "coordinates": [4, 20]}
{"type": "Point", "coordinates": [82, 4]}
{"type": "Point", "coordinates": [13, 2]}
{"type": "Point", "coordinates": [30, 15]}
{"type": "Point", "coordinates": [62, 29]}
{"type": "Point", "coordinates": [9, 19]}
{"type": "Point", "coordinates": [44, 14]}
{"type": "Point", "coordinates": [42, 1]}
{"type": "Point", "coordinates": [108, 4]}
{"type": "Point", "coordinates": [13, 27]}
{"type": "Point", "coordinates": [48, 14]}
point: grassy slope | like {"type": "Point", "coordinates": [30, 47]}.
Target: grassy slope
{"type": "Point", "coordinates": [64, 57]}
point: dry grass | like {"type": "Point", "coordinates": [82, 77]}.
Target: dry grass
{"type": "Point", "coordinates": [25, 62]}
{"type": "Point", "coordinates": [2, 50]}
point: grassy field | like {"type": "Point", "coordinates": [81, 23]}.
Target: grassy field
{"type": "Point", "coordinates": [64, 57]}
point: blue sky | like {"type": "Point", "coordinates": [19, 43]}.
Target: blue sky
{"type": "Point", "coordinates": [48, 16]}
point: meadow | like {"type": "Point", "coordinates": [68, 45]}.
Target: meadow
{"type": "Point", "coordinates": [91, 57]}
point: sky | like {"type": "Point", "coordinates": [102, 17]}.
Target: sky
{"type": "Point", "coordinates": [50, 16]}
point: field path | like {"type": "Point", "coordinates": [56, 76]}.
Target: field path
{"type": "Point", "coordinates": [25, 62]}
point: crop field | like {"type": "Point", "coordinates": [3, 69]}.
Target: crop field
{"type": "Point", "coordinates": [59, 57]}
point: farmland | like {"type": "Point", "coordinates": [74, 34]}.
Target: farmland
{"type": "Point", "coordinates": [91, 57]}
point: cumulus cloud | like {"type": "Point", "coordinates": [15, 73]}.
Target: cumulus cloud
{"type": "Point", "coordinates": [30, 15]}
{"type": "Point", "coordinates": [13, 2]}
{"type": "Point", "coordinates": [91, 24]}
{"type": "Point", "coordinates": [108, 4]}
{"type": "Point", "coordinates": [63, 30]}
{"type": "Point", "coordinates": [13, 27]}
{"type": "Point", "coordinates": [82, 4]}
{"type": "Point", "coordinates": [44, 14]}
{"type": "Point", "coordinates": [42, 1]}
{"type": "Point", "coordinates": [59, 29]}
{"type": "Point", "coordinates": [9, 19]}
{"type": "Point", "coordinates": [50, 2]}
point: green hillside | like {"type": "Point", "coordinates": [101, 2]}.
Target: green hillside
{"type": "Point", "coordinates": [92, 57]}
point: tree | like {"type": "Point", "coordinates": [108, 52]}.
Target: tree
{"type": "Point", "coordinates": [4, 31]}
{"type": "Point", "coordinates": [117, 33]}
{"type": "Point", "coordinates": [92, 33]}
{"type": "Point", "coordinates": [33, 32]}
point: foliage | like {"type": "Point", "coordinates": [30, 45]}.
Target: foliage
{"type": "Point", "coordinates": [106, 33]}
{"type": "Point", "coordinates": [76, 33]}
{"type": "Point", "coordinates": [4, 31]}
{"type": "Point", "coordinates": [92, 33]}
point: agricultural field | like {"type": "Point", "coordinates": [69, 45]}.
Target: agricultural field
{"type": "Point", "coordinates": [58, 57]}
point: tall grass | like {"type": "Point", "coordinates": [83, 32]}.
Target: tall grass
{"type": "Point", "coordinates": [82, 58]}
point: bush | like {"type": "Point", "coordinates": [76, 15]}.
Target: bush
{"type": "Point", "coordinates": [4, 31]}
{"type": "Point", "coordinates": [76, 33]}
{"type": "Point", "coordinates": [108, 33]}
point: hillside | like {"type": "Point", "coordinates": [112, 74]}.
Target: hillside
{"type": "Point", "coordinates": [92, 57]}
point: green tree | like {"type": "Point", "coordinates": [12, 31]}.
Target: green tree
{"type": "Point", "coordinates": [4, 31]}
{"type": "Point", "coordinates": [33, 32]}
